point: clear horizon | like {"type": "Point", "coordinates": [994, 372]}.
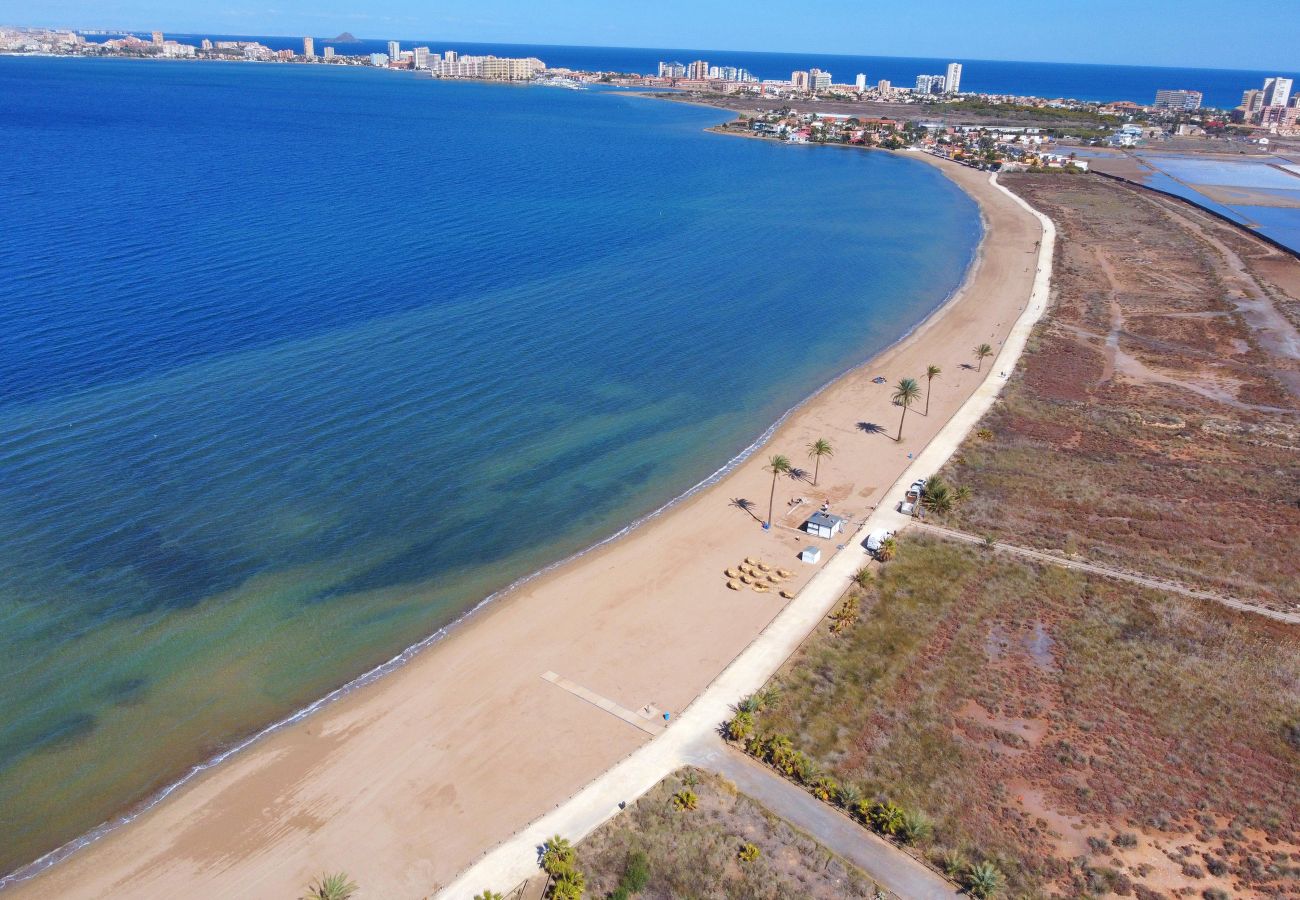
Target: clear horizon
{"type": "Point", "coordinates": [1188, 34]}
{"type": "Point", "coordinates": [450, 43]}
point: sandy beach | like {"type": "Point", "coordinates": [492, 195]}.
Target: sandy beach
{"type": "Point", "coordinates": [408, 780]}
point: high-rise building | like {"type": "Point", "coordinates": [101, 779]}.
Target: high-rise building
{"type": "Point", "coordinates": [421, 57]}
{"type": "Point", "coordinates": [157, 38]}
{"type": "Point", "coordinates": [799, 81]}
{"type": "Point", "coordinates": [819, 80]}
{"type": "Point", "coordinates": [860, 82]}
{"type": "Point", "coordinates": [952, 82]}
{"type": "Point", "coordinates": [329, 52]}
{"type": "Point", "coordinates": [1277, 91]}
{"type": "Point", "coordinates": [206, 45]}
{"type": "Point", "coordinates": [379, 59]}
{"type": "Point", "coordinates": [699, 69]}
{"type": "Point", "coordinates": [672, 70]}
{"type": "Point", "coordinates": [929, 84]}
{"type": "Point", "coordinates": [1178, 101]}
{"type": "Point", "coordinates": [309, 48]}
{"type": "Point", "coordinates": [884, 86]}
{"type": "Point", "coordinates": [394, 50]}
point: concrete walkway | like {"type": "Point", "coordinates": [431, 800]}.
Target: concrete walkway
{"type": "Point", "coordinates": [1118, 574]}
{"type": "Point", "coordinates": [888, 866]}
{"type": "Point", "coordinates": [694, 732]}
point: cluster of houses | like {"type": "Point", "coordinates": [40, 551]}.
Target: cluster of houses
{"type": "Point", "coordinates": [823, 128]}
{"type": "Point", "coordinates": [980, 146]}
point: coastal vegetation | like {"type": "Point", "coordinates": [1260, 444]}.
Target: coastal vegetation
{"type": "Point", "coordinates": [1031, 730]}
{"type": "Point", "coordinates": [931, 373]}
{"type": "Point", "coordinates": [981, 352]}
{"type": "Point", "coordinates": [332, 886]}
{"type": "Point", "coordinates": [1153, 431]}
{"type": "Point", "coordinates": [730, 848]}
{"type": "Point", "coordinates": [559, 862]}
{"type": "Point", "coordinates": [906, 392]}
{"type": "Point", "coordinates": [816, 451]}
{"type": "Point", "coordinates": [778, 465]}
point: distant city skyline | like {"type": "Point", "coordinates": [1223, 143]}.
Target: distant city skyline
{"type": "Point", "coordinates": [1163, 33]}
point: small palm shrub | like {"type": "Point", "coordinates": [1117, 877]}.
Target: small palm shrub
{"type": "Point", "coordinates": [685, 800]}
{"type": "Point", "coordinates": [748, 852]}
{"type": "Point", "coordinates": [569, 885]}
{"type": "Point", "coordinates": [336, 886]}
{"type": "Point", "coordinates": [558, 855]}
{"type": "Point", "coordinates": [740, 727]}
{"type": "Point", "coordinates": [915, 827]}
{"type": "Point", "coordinates": [982, 880]}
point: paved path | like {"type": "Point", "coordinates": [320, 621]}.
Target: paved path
{"type": "Point", "coordinates": [694, 731]}
{"type": "Point", "coordinates": [646, 723]}
{"type": "Point", "coordinates": [891, 868]}
{"type": "Point", "coordinates": [1092, 569]}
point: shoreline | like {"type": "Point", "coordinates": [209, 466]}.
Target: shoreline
{"type": "Point", "coordinates": [466, 618]}
{"type": "Point", "coordinates": [368, 689]}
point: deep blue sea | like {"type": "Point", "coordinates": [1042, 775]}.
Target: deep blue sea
{"type": "Point", "coordinates": [302, 362]}
{"type": "Point", "coordinates": [1221, 87]}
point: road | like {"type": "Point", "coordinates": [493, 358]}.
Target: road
{"type": "Point", "coordinates": [1118, 574]}
{"type": "Point", "coordinates": [889, 867]}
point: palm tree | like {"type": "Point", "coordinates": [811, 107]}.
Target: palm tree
{"type": "Point", "coordinates": [489, 895]}
{"type": "Point", "coordinates": [569, 885]}
{"type": "Point", "coordinates": [777, 465]}
{"type": "Point", "coordinates": [906, 392]}
{"type": "Point", "coordinates": [931, 373]}
{"type": "Point", "coordinates": [558, 855]}
{"type": "Point", "coordinates": [337, 886]}
{"type": "Point", "coordinates": [983, 880]}
{"type": "Point", "coordinates": [982, 351]}
{"type": "Point", "coordinates": [938, 496]}
{"type": "Point", "coordinates": [816, 450]}
{"type": "Point", "coordinates": [888, 549]}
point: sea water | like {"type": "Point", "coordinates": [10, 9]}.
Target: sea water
{"type": "Point", "coordinates": [302, 362]}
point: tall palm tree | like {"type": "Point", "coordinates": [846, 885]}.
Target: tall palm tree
{"type": "Point", "coordinates": [777, 465]}
{"type": "Point", "coordinates": [981, 352]}
{"type": "Point", "coordinates": [931, 373]}
{"type": "Point", "coordinates": [906, 392]}
{"type": "Point", "coordinates": [816, 450]}
{"type": "Point", "coordinates": [337, 886]}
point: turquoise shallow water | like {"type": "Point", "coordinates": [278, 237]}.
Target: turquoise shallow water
{"type": "Point", "coordinates": [300, 363]}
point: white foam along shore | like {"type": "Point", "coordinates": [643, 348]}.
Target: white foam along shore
{"type": "Point", "coordinates": [62, 852]}
{"type": "Point", "coordinates": [695, 730]}
{"type": "Point", "coordinates": [147, 852]}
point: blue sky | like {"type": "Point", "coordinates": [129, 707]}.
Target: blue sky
{"type": "Point", "coordinates": [1244, 34]}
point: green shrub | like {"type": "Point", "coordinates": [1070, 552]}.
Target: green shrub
{"type": "Point", "coordinates": [685, 800]}
{"type": "Point", "coordinates": [915, 827]}
{"type": "Point", "coordinates": [982, 880]}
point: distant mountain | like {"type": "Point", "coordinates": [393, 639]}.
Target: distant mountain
{"type": "Point", "coordinates": [346, 38]}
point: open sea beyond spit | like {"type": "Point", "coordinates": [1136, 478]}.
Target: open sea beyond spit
{"type": "Point", "coordinates": [302, 362]}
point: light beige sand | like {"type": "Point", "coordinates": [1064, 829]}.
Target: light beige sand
{"type": "Point", "coordinates": [410, 779]}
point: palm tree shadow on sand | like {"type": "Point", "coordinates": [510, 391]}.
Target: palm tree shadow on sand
{"type": "Point", "coordinates": [799, 474]}
{"type": "Point", "coordinates": [745, 505]}
{"type": "Point", "coordinates": [870, 428]}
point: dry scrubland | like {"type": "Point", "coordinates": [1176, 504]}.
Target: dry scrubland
{"type": "Point", "coordinates": [1155, 422]}
{"type": "Point", "coordinates": [697, 853]}
{"type": "Point", "coordinates": [1084, 736]}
